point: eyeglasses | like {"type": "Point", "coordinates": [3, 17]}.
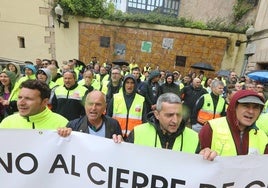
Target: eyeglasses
{"type": "Point", "coordinates": [259, 87]}
{"type": "Point", "coordinates": [44, 63]}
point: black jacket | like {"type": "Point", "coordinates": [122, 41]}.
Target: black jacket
{"type": "Point", "coordinates": [190, 95]}
{"type": "Point", "coordinates": [68, 107]}
{"type": "Point", "coordinates": [111, 126]}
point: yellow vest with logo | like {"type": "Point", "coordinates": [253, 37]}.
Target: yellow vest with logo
{"type": "Point", "coordinates": [223, 143]}
{"type": "Point", "coordinates": [128, 120]}
{"type": "Point", "coordinates": [207, 111]}
{"type": "Point", "coordinates": [145, 135]}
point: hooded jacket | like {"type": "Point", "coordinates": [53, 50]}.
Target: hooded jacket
{"type": "Point", "coordinates": [29, 66]}
{"type": "Point", "coordinates": [150, 90]}
{"type": "Point", "coordinates": [18, 71]}
{"type": "Point", "coordinates": [24, 78]}
{"type": "Point", "coordinates": [49, 81]}
{"type": "Point", "coordinates": [240, 139]}
{"type": "Point", "coordinates": [187, 138]}
{"type": "Point", "coordinates": [169, 87]}
{"type": "Point", "coordinates": [128, 97]}
{"type": "Point", "coordinates": [127, 108]}
{"type": "Point", "coordinates": [46, 72]}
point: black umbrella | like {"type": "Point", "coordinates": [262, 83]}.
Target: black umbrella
{"type": "Point", "coordinates": [120, 62]}
{"type": "Point", "coordinates": [203, 66]}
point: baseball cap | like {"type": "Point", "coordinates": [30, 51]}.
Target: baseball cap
{"type": "Point", "coordinates": [251, 99]}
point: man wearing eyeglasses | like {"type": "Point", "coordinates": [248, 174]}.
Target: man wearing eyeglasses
{"type": "Point", "coordinates": [45, 63]}
{"type": "Point", "coordinates": [114, 85]}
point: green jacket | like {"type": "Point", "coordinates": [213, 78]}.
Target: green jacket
{"type": "Point", "coordinates": [146, 135]}
{"type": "Point", "coordinates": [46, 120]}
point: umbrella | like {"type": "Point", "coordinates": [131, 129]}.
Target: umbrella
{"type": "Point", "coordinates": [223, 73]}
{"type": "Point", "coordinates": [258, 75]}
{"type": "Point", "coordinates": [120, 62]}
{"type": "Point", "coordinates": [203, 66]}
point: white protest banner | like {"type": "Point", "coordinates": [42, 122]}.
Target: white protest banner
{"type": "Point", "coordinates": [32, 158]}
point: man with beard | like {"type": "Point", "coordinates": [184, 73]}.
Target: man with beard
{"type": "Point", "coordinates": [232, 78]}
{"type": "Point", "coordinates": [169, 86]}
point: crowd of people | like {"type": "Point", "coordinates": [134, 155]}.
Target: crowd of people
{"type": "Point", "coordinates": [223, 115]}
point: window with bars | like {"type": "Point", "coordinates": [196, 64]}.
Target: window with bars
{"type": "Point", "coordinates": [161, 6]}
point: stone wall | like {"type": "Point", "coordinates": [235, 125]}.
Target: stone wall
{"type": "Point", "coordinates": [206, 10]}
{"type": "Point", "coordinates": [195, 47]}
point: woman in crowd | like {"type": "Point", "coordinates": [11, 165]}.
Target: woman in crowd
{"type": "Point", "coordinates": [207, 84]}
{"type": "Point", "coordinates": [7, 82]}
{"type": "Point", "coordinates": [13, 67]}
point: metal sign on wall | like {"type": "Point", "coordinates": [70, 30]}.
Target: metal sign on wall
{"type": "Point", "coordinates": [167, 43]}
{"type": "Point", "coordinates": [146, 46]}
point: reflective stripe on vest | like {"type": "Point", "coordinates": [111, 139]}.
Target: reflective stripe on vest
{"type": "Point", "coordinates": [223, 143]}
{"type": "Point", "coordinates": [145, 135]}
{"type": "Point", "coordinates": [76, 94]}
{"type": "Point", "coordinates": [207, 111]}
{"type": "Point", "coordinates": [128, 120]}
